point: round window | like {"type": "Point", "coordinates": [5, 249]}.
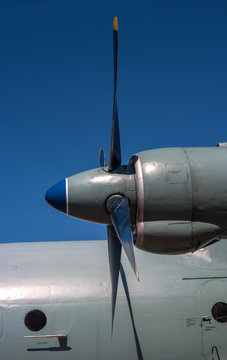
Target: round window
{"type": "Point", "coordinates": [35, 320]}
{"type": "Point", "coordinates": [219, 312]}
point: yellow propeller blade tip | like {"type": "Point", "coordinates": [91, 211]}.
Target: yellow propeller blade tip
{"type": "Point", "coordinates": [115, 24]}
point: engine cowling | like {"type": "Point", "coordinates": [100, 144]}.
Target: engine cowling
{"type": "Point", "coordinates": [174, 237]}
{"type": "Point", "coordinates": [181, 202]}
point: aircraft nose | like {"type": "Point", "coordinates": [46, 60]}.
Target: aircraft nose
{"type": "Point", "coordinates": [56, 196]}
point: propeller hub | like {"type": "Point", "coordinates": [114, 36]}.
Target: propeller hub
{"type": "Point", "coordinates": [89, 190]}
{"type": "Point", "coordinates": [56, 196]}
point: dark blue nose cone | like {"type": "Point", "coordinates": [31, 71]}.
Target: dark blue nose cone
{"type": "Point", "coordinates": [56, 196]}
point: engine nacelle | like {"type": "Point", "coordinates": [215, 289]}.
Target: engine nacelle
{"type": "Point", "coordinates": [181, 198]}
{"type": "Point", "coordinates": [174, 237]}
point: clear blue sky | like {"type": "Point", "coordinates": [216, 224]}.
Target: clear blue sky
{"type": "Point", "coordinates": [56, 93]}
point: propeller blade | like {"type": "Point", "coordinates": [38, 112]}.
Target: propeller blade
{"type": "Point", "coordinates": [115, 147]}
{"type": "Point", "coordinates": [114, 250]}
{"type": "Point", "coordinates": [125, 285]}
{"type": "Point", "coordinates": [120, 218]}
{"type": "Point", "coordinates": [102, 158]}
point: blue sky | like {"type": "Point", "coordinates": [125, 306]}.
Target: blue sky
{"type": "Point", "coordinates": [56, 93]}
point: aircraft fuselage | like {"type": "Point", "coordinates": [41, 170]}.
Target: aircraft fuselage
{"type": "Point", "coordinates": [69, 282]}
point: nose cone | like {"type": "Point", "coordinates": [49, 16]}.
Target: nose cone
{"type": "Point", "coordinates": [56, 196]}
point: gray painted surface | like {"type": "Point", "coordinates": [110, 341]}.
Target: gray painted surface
{"type": "Point", "coordinates": [89, 190]}
{"type": "Point", "coordinates": [185, 184]}
{"type": "Point", "coordinates": [70, 282]}
{"type": "Point", "coordinates": [181, 194]}
{"type": "Point", "coordinates": [177, 197]}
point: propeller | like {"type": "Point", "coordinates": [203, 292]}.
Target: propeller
{"type": "Point", "coordinates": [82, 201]}
{"type": "Point", "coordinates": [118, 208]}
{"type": "Point", "coordinates": [125, 285]}
{"type": "Point", "coordinates": [119, 232]}
{"type": "Point", "coordinates": [115, 147]}
{"type": "Point", "coordinates": [114, 249]}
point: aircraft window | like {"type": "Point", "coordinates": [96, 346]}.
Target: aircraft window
{"type": "Point", "coordinates": [219, 312]}
{"type": "Point", "coordinates": [35, 320]}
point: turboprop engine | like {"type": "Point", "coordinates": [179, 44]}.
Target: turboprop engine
{"type": "Point", "coordinates": [173, 200]}
{"type": "Point", "coordinates": [174, 206]}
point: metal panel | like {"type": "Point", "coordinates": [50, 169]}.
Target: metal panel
{"type": "Point", "coordinates": [213, 333]}
{"type": "Point", "coordinates": [209, 184]}
{"type": "Point", "coordinates": [167, 184]}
